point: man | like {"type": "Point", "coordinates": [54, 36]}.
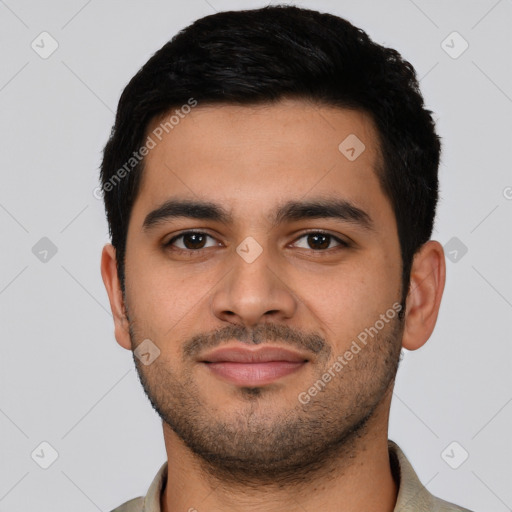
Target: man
{"type": "Point", "coordinates": [270, 185]}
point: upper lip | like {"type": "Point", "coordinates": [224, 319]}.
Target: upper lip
{"type": "Point", "coordinates": [249, 355]}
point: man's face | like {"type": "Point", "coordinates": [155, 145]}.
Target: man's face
{"type": "Point", "coordinates": [307, 282]}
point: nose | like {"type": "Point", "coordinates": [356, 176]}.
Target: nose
{"type": "Point", "coordinates": [254, 292]}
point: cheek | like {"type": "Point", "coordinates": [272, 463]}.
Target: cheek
{"type": "Point", "coordinates": [346, 299]}
{"type": "Point", "coordinates": [155, 295]}
{"type": "Point", "coordinates": [166, 301]}
{"type": "Point", "coordinates": [334, 298]}
{"type": "Point", "coordinates": [379, 288]}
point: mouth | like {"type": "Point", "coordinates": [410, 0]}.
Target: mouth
{"type": "Point", "coordinates": [253, 367]}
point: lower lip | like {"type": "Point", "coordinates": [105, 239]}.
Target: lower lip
{"type": "Point", "coordinates": [254, 374]}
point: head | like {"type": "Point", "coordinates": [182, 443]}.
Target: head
{"type": "Point", "coordinates": [262, 126]}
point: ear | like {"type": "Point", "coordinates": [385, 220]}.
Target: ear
{"type": "Point", "coordinates": [115, 296]}
{"type": "Point", "coordinates": [428, 274]}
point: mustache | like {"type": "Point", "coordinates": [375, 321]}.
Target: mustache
{"type": "Point", "coordinates": [255, 336]}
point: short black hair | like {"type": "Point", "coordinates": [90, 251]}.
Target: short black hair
{"type": "Point", "coordinates": [265, 55]}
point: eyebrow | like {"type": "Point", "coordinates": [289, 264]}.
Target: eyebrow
{"type": "Point", "coordinates": [339, 209]}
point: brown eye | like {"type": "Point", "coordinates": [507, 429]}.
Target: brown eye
{"type": "Point", "coordinates": [194, 240]}
{"type": "Point", "coordinates": [190, 240]}
{"type": "Point", "coordinates": [319, 241]}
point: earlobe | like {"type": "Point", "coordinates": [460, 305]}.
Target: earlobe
{"type": "Point", "coordinates": [115, 295]}
{"type": "Point", "coordinates": [428, 274]}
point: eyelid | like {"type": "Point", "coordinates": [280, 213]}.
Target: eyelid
{"type": "Point", "coordinates": [341, 241]}
{"type": "Point", "coordinates": [186, 232]}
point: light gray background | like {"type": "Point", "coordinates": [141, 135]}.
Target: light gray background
{"type": "Point", "coordinates": [64, 379]}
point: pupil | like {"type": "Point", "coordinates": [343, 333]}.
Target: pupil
{"type": "Point", "coordinates": [194, 238]}
{"type": "Point", "coordinates": [317, 236]}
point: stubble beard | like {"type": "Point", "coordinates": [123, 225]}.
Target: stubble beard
{"type": "Point", "coordinates": [260, 445]}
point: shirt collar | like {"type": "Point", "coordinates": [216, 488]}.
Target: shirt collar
{"type": "Point", "coordinates": [412, 495]}
{"type": "Point", "coordinates": [152, 499]}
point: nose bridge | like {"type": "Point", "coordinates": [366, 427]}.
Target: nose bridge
{"type": "Point", "coordinates": [251, 266]}
{"type": "Point", "coordinates": [252, 289]}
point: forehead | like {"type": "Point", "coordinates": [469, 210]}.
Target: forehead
{"type": "Point", "coordinates": [260, 155]}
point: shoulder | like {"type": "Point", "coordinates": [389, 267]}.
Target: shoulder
{"type": "Point", "coordinates": [413, 496]}
{"type": "Point", "coordinates": [439, 505]}
{"type": "Point", "coordinates": [134, 505]}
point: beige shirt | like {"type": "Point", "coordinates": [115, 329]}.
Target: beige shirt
{"type": "Point", "coordinates": [412, 496]}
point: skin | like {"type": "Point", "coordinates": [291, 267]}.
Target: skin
{"type": "Point", "coordinates": [233, 448]}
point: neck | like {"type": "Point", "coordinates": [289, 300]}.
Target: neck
{"type": "Point", "coordinates": [360, 478]}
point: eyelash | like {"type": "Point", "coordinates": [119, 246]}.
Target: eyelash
{"type": "Point", "coordinates": [168, 244]}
